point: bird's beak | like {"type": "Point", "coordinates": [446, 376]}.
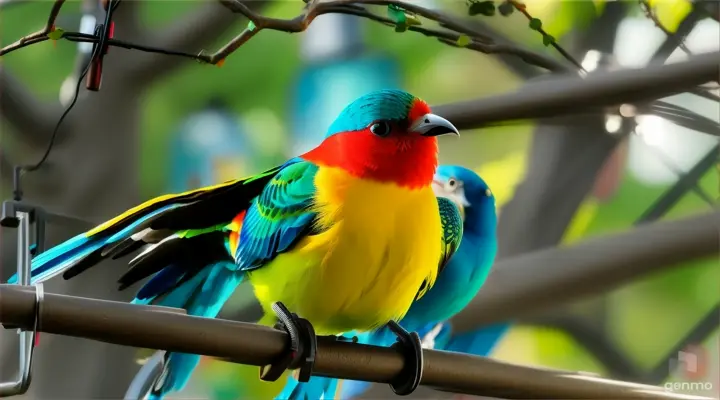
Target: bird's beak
{"type": "Point", "coordinates": [433, 125]}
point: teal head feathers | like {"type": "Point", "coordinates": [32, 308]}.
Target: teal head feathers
{"type": "Point", "coordinates": [470, 193]}
{"type": "Point", "coordinates": [387, 136]}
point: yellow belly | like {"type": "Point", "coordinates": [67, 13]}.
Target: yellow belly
{"type": "Point", "coordinates": [382, 241]}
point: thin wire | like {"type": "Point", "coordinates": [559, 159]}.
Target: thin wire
{"type": "Point", "coordinates": [112, 6]}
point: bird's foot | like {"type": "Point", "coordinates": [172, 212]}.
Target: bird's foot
{"type": "Point", "coordinates": [303, 346]}
{"type": "Point", "coordinates": [410, 347]}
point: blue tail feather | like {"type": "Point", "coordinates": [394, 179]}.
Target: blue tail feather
{"type": "Point", "coordinates": [318, 387]}
{"type": "Point", "coordinates": [208, 291]}
{"type": "Point", "coordinates": [54, 261]}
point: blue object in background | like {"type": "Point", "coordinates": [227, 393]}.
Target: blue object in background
{"type": "Point", "coordinates": [209, 148]}
{"type": "Point", "coordinates": [338, 70]}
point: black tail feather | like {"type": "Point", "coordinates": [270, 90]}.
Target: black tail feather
{"type": "Point", "coordinates": [195, 251]}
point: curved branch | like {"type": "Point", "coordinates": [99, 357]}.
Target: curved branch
{"type": "Point", "coordinates": [193, 32]}
{"type": "Point", "coordinates": [479, 41]}
{"type": "Point", "coordinates": [519, 286]}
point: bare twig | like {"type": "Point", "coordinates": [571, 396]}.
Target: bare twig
{"type": "Point", "coordinates": [484, 44]}
{"type": "Point", "coordinates": [680, 41]}
{"type": "Point", "coordinates": [39, 36]}
{"type": "Point", "coordinates": [194, 31]}
{"type": "Point", "coordinates": [479, 41]}
{"type": "Point", "coordinates": [523, 10]}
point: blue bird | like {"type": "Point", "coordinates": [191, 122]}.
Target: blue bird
{"type": "Point", "coordinates": [458, 283]}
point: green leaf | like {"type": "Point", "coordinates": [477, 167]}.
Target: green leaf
{"type": "Point", "coordinates": [463, 41]}
{"type": "Point", "coordinates": [486, 8]}
{"type": "Point", "coordinates": [506, 9]}
{"type": "Point", "coordinates": [251, 26]}
{"type": "Point", "coordinates": [548, 40]}
{"type": "Point", "coordinates": [397, 15]}
{"type": "Point", "coordinates": [412, 19]}
{"type": "Point", "coordinates": [535, 24]}
{"type": "Point", "coordinates": [56, 34]}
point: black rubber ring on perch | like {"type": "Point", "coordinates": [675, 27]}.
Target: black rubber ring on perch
{"type": "Point", "coordinates": [410, 346]}
{"type": "Point", "coordinates": [303, 346]}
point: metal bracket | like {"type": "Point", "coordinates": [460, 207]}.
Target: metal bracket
{"type": "Point", "coordinates": [34, 215]}
{"type": "Point", "coordinates": [20, 216]}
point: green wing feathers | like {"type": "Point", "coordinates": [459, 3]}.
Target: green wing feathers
{"type": "Point", "coordinates": [280, 216]}
{"type": "Point", "coordinates": [452, 231]}
{"type": "Point", "coordinates": [452, 225]}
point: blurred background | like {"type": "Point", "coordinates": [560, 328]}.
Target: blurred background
{"type": "Point", "coordinates": [162, 124]}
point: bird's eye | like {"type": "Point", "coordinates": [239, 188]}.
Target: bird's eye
{"type": "Point", "coordinates": [380, 128]}
{"type": "Point", "coordinates": [452, 183]}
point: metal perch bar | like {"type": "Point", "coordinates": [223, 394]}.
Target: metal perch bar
{"type": "Point", "coordinates": [132, 325]}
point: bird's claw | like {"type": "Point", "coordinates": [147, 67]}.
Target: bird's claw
{"type": "Point", "coordinates": [303, 346]}
{"type": "Point", "coordinates": [410, 346]}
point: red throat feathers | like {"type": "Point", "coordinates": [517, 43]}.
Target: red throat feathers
{"type": "Point", "coordinates": [404, 158]}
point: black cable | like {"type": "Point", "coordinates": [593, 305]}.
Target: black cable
{"type": "Point", "coordinates": [103, 32]}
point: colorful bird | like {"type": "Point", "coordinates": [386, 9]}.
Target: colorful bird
{"type": "Point", "coordinates": [456, 285]}
{"type": "Point", "coordinates": [344, 235]}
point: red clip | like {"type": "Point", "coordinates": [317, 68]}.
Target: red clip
{"type": "Point", "coordinates": [111, 34]}
{"type": "Point", "coordinates": [37, 339]}
{"type": "Point", "coordinates": [94, 78]}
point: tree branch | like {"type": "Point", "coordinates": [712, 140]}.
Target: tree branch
{"type": "Point", "coordinates": [32, 119]}
{"type": "Point", "coordinates": [602, 348]}
{"type": "Point", "coordinates": [522, 285]}
{"type": "Point", "coordinates": [686, 182]}
{"type": "Point", "coordinates": [6, 167]}
{"type": "Point", "coordinates": [522, 9]}
{"type": "Point", "coordinates": [39, 36]}
{"type": "Point", "coordinates": [570, 95]}
{"type": "Point", "coordinates": [671, 41]}
{"type": "Point", "coordinates": [650, 13]}
{"type": "Point", "coordinates": [712, 7]}
{"type": "Point", "coordinates": [195, 31]}
{"type": "Point", "coordinates": [704, 328]}
{"type": "Point", "coordinates": [455, 29]}
{"type": "Point", "coordinates": [515, 64]}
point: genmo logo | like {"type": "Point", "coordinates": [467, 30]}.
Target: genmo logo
{"type": "Point", "coordinates": [691, 363]}
{"type": "Point", "coordinates": [688, 386]}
